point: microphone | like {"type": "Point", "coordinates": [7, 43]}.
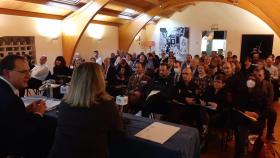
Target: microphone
{"type": "Point", "coordinates": [46, 84]}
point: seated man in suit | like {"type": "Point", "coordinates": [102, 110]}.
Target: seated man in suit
{"type": "Point", "coordinates": [109, 75]}
{"type": "Point", "coordinates": [24, 131]}
{"type": "Point", "coordinates": [164, 85]}
{"type": "Point", "coordinates": [138, 88]}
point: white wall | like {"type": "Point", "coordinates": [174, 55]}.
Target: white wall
{"type": "Point", "coordinates": [200, 17]}
{"type": "Point", "coordinates": [52, 47]}
{"type": "Point", "coordinates": [27, 26]}
{"type": "Point", "coordinates": [107, 45]}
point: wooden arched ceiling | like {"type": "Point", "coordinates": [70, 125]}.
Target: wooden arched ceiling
{"type": "Point", "coordinates": [267, 10]}
{"type": "Point", "coordinates": [75, 24]}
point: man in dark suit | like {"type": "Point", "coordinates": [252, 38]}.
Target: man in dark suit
{"type": "Point", "coordinates": [24, 131]}
{"type": "Point", "coordinates": [138, 87]}
{"type": "Point", "coordinates": [164, 89]}
{"type": "Point", "coordinates": [109, 75]}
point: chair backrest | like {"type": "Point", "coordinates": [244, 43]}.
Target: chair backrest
{"type": "Point", "coordinates": [49, 76]}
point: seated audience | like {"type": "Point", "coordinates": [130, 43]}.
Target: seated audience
{"type": "Point", "coordinates": [177, 71]}
{"type": "Point", "coordinates": [60, 70]}
{"type": "Point", "coordinates": [271, 114]}
{"type": "Point", "coordinates": [163, 58]}
{"type": "Point", "coordinates": [109, 76]}
{"type": "Point", "coordinates": [97, 58]}
{"type": "Point", "coordinates": [187, 62]}
{"type": "Point", "coordinates": [139, 86]}
{"type": "Point", "coordinates": [164, 85]}
{"type": "Point", "coordinates": [274, 76]}
{"type": "Point", "coordinates": [39, 73]}
{"type": "Point", "coordinates": [123, 73]}
{"type": "Point", "coordinates": [202, 80]}
{"type": "Point", "coordinates": [88, 121]}
{"type": "Point", "coordinates": [216, 98]}
{"type": "Point", "coordinates": [250, 100]}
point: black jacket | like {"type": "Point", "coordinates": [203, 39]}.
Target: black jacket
{"type": "Point", "coordinates": [219, 98]}
{"type": "Point", "coordinates": [86, 132]}
{"type": "Point", "coordinates": [19, 129]}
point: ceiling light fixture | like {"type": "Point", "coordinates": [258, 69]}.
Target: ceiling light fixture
{"type": "Point", "coordinates": [235, 2]}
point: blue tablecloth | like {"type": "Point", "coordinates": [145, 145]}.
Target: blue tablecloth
{"type": "Point", "coordinates": [184, 144]}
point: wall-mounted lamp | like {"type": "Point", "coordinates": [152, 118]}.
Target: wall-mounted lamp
{"type": "Point", "coordinates": [235, 2]}
{"type": "Point", "coordinates": [49, 28]}
{"type": "Point", "coordinates": [96, 31]}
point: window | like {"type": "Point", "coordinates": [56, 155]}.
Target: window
{"type": "Point", "coordinates": [213, 41]}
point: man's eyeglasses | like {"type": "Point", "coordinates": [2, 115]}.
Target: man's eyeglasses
{"type": "Point", "coordinates": [26, 72]}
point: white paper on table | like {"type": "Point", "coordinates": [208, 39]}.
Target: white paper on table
{"type": "Point", "coordinates": [157, 132]}
{"type": "Point", "coordinates": [51, 104]}
{"type": "Point", "coordinates": [55, 85]}
{"type": "Point", "coordinates": [153, 92]}
{"type": "Point", "coordinates": [29, 100]}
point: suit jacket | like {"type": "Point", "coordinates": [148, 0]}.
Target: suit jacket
{"type": "Point", "coordinates": [86, 132]}
{"type": "Point", "coordinates": [186, 90]}
{"type": "Point", "coordinates": [219, 98]}
{"type": "Point", "coordinates": [166, 86]}
{"type": "Point", "coordinates": [110, 75]}
{"type": "Point", "coordinates": [142, 84]}
{"type": "Point", "coordinates": [18, 127]}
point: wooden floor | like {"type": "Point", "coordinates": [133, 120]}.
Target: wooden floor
{"type": "Point", "coordinates": [269, 150]}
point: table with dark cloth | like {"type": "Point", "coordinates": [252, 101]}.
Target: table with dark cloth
{"type": "Point", "coordinates": [184, 144]}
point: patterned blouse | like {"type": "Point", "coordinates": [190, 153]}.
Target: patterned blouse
{"type": "Point", "coordinates": [203, 83]}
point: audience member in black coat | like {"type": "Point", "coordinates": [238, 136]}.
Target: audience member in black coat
{"type": "Point", "coordinates": [109, 75]}
{"type": "Point", "coordinates": [61, 71]}
{"type": "Point", "coordinates": [164, 84]}
{"type": "Point", "coordinates": [123, 73]}
{"type": "Point", "coordinates": [188, 95]}
{"type": "Point", "coordinates": [24, 131]}
{"type": "Point", "coordinates": [88, 121]}
{"type": "Point", "coordinates": [216, 98]}
{"type": "Point", "coordinates": [250, 99]}
{"type": "Point", "coordinates": [271, 113]}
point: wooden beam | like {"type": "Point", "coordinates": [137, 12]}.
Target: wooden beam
{"type": "Point", "coordinates": [127, 5]}
{"type": "Point", "coordinates": [75, 25]}
{"type": "Point", "coordinates": [49, 16]}
{"type": "Point", "coordinates": [29, 14]}
{"type": "Point", "coordinates": [155, 2]}
{"type": "Point", "coordinates": [109, 12]}
{"type": "Point", "coordinates": [106, 23]}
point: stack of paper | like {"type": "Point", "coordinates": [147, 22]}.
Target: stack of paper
{"type": "Point", "coordinates": [51, 104]}
{"type": "Point", "coordinates": [157, 132]}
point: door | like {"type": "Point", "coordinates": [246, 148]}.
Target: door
{"type": "Point", "coordinates": [263, 42]}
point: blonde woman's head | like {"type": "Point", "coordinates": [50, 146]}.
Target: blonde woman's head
{"type": "Point", "coordinates": [87, 86]}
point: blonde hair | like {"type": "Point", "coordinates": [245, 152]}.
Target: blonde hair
{"type": "Point", "coordinates": [87, 86]}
